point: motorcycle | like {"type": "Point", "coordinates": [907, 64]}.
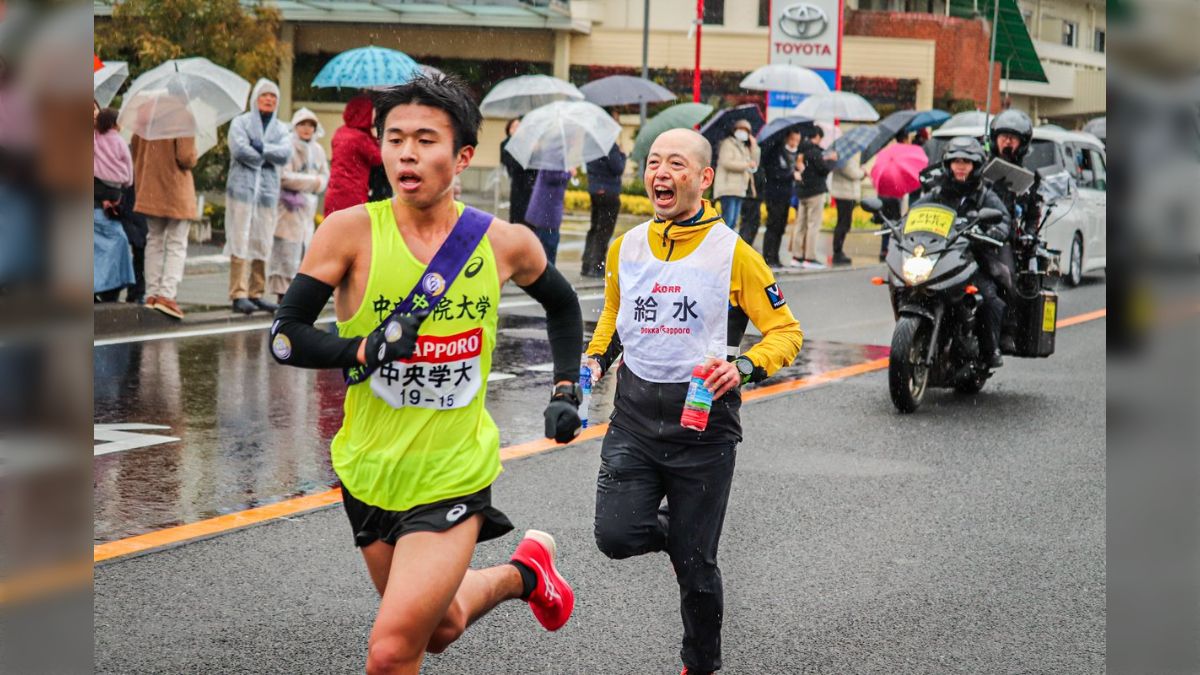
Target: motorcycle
{"type": "Point", "coordinates": [930, 262]}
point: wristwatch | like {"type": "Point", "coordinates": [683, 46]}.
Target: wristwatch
{"type": "Point", "coordinates": [569, 392]}
{"type": "Point", "coordinates": [745, 368]}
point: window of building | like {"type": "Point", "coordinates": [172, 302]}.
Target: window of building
{"type": "Point", "coordinates": [1098, 41]}
{"type": "Point", "coordinates": [1070, 34]}
{"type": "Point", "coordinates": [714, 12]}
{"type": "Point", "coordinates": [764, 12]}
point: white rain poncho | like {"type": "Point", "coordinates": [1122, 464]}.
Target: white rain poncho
{"type": "Point", "coordinates": [252, 190]}
{"type": "Point", "coordinates": [304, 178]}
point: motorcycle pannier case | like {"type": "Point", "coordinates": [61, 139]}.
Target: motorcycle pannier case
{"type": "Point", "coordinates": [1037, 319]}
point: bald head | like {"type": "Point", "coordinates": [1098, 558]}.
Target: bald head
{"type": "Point", "coordinates": [685, 141]}
{"type": "Point", "coordinates": [678, 171]}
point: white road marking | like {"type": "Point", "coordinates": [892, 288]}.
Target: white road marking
{"type": "Point", "coordinates": [117, 437]}
{"type": "Point", "coordinates": [263, 325]}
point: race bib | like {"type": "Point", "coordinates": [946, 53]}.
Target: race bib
{"type": "Point", "coordinates": [935, 219]}
{"type": "Point", "coordinates": [442, 374]}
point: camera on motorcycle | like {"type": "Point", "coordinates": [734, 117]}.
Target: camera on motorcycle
{"type": "Point", "coordinates": [871, 205]}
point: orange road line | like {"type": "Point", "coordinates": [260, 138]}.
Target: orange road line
{"type": "Point", "coordinates": [289, 507]}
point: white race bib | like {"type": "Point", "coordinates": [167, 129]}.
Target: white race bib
{"type": "Point", "coordinates": [443, 373]}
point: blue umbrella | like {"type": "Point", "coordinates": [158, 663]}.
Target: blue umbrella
{"type": "Point", "coordinates": [927, 118]}
{"type": "Point", "coordinates": [852, 142]}
{"type": "Point", "coordinates": [368, 67]}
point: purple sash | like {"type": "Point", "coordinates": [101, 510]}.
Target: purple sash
{"type": "Point", "coordinates": [441, 272]}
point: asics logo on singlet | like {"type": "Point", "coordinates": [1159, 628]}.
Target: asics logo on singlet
{"type": "Point", "coordinates": [551, 591]}
{"type": "Point", "coordinates": [456, 512]}
{"type": "Point", "coordinates": [473, 267]}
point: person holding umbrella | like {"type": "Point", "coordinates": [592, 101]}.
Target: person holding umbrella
{"type": "Point", "coordinates": [737, 159]}
{"type": "Point", "coordinates": [604, 188]}
{"type": "Point", "coordinates": [845, 186]}
{"type": "Point", "coordinates": [520, 179]}
{"type": "Point", "coordinates": [781, 172]}
{"type": "Point", "coordinates": [811, 190]}
{"type": "Point", "coordinates": [355, 151]}
{"type": "Point", "coordinates": [259, 147]}
{"type": "Point", "coordinates": [895, 175]}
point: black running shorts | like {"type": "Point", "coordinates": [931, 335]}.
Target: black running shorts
{"type": "Point", "coordinates": [371, 523]}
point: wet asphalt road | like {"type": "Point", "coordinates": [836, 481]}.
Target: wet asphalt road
{"type": "Point", "coordinates": [968, 537]}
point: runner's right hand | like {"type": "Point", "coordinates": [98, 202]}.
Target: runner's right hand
{"type": "Point", "coordinates": [396, 339]}
{"type": "Point", "coordinates": [562, 415]}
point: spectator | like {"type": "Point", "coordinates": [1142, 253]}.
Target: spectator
{"type": "Point", "coordinates": [259, 146]}
{"type": "Point", "coordinates": [355, 152]}
{"type": "Point", "coordinates": [544, 215]}
{"type": "Point", "coordinates": [781, 173]}
{"type": "Point", "coordinates": [845, 186]}
{"type": "Point", "coordinates": [520, 179]}
{"type": "Point", "coordinates": [737, 159]}
{"type": "Point", "coordinates": [136, 230]}
{"type": "Point", "coordinates": [112, 170]}
{"type": "Point", "coordinates": [303, 179]}
{"type": "Point", "coordinates": [604, 188]}
{"type": "Point", "coordinates": [893, 205]}
{"type": "Point", "coordinates": [166, 196]}
{"type": "Point", "coordinates": [812, 191]}
{"type": "Point", "coordinates": [751, 216]}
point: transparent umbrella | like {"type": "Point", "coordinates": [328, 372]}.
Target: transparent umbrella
{"type": "Point", "coordinates": [563, 135]}
{"type": "Point", "coordinates": [518, 95]}
{"type": "Point", "coordinates": [107, 81]}
{"type": "Point", "coordinates": [183, 97]}
{"type": "Point", "coordinates": [838, 105]}
{"type": "Point", "coordinates": [785, 77]}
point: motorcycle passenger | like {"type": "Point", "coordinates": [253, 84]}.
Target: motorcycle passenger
{"type": "Point", "coordinates": [1011, 135]}
{"type": "Point", "coordinates": [961, 188]}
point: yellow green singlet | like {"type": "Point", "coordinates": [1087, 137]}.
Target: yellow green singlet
{"type": "Point", "coordinates": [441, 443]}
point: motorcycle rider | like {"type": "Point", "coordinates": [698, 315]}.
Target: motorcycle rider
{"type": "Point", "coordinates": [961, 188]}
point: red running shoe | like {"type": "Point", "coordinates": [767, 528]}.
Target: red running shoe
{"type": "Point", "coordinates": [553, 600]}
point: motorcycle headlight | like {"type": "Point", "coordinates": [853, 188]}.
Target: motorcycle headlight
{"type": "Point", "coordinates": [917, 269]}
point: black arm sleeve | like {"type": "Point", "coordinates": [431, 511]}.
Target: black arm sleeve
{"type": "Point", "coordinates": [610, 355]}
{"type": "Point", "coordinates": [295, 341]}
{"type": "Point", "coordinates": [564, 321]}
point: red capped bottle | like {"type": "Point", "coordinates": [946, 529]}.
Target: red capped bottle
{"type": "Point", "coordinates": [698, 403]}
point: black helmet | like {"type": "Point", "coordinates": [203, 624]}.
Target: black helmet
{"type": "Point", "coordinates": [1017, 123]}
{"type": "Point", "coordinates": [964, 148]}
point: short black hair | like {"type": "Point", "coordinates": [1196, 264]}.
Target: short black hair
{"type": "Point", "coordinates": [436, 90]}
{"type": "Point", "coordinates": [106, 121]}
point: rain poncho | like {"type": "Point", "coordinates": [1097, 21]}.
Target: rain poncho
{"type": "Point", "coordinates": [252, 191]}
{"type": "Point", "coordinates": [355, 152]}
{"type": "Point", "coordinates": [304, 178]}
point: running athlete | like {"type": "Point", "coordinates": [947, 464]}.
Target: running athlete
{"type": "Point", "coordinates": [681, 287]}
{"type": "Point", "coordinates": [417, 451]}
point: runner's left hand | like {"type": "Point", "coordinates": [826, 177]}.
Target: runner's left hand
{"type": "Point", "coordinates": [723, 377]}
{"type": "Point", "coordinates": [562, 419]}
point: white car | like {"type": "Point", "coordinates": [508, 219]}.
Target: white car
{"type": "Point", "coordinates": [1077, 225]}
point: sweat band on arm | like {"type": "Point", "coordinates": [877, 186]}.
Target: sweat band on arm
{"type": "Point", "coordinates": [295, 341]}
{"type": "Point", "coordinates": [564, 321]}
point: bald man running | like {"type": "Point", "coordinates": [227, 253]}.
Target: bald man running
{"type": "Point", "coordinates": [681, 288]}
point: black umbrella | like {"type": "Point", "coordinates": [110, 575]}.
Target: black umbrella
{"type": "Point", "coordinates": [624, 90]}
{"type": "Point", "coordinates": [776, 130]}
{"type": "Point", "coordinates": [720, 125]}
{"type": "Point", "coordinates": [887, 128]}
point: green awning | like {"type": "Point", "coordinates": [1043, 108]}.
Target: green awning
{"type": "Point", "coordinates": [1015, 52]}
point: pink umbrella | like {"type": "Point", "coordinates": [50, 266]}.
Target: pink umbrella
{"type": "Point", "coordinates": [897, 169]}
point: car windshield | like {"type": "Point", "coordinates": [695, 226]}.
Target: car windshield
{"type": "Point", "coordinates": [1041, 154]}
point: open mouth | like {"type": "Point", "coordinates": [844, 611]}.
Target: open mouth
{"type": "Point", "coordinates": [663, 196]}
{"type": "Point", "coordinates": [408, 180]}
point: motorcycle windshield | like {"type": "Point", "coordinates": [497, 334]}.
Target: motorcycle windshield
{"type": "Point", "coordinates": [931, 218]}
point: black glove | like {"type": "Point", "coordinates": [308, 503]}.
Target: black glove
{"type": "Point", "coordinates": [396, 339]}
{"type": "Point", "coordinates": [996, 232]}
{"type": "Point", "coordinates": [257, 145]}
{"type": "Point", "coordinates": [562, 415]}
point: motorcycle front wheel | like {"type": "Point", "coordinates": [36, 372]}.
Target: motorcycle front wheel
{"type": "Point", "coordinates": [907, 375]}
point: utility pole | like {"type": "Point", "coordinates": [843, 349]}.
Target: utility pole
{"type": "Point", "coordinates": [645, 54]}
{"type": "Point", "coordinates": [992, 65]}
{"type": "Point", "coordinates": [696, 71]}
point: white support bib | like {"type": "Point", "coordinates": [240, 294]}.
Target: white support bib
{"type": "Point", "coordinates": [674, 312]}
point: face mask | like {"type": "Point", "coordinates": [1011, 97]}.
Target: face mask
{"type": "Point", "coordinates": [793, 148]}
{"type": "Point", "coordinates": [741, 135]}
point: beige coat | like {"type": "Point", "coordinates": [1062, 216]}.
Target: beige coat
{"type": "Point", "coordinates": [162, 176]}
{"type": "Point", "coordinates": [846, 183]}
{"type": "Point", "coordinates": [307, 172]}
{"type": "Point", "coordinates": [734, 173]}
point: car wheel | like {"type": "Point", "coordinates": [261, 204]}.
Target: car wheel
{"type": "Point", "coordinates": [1075, 265]}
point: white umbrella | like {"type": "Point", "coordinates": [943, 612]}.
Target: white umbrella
{"type": "Point", "coordinates": [785, 77]}
{"type": "Point", "coordinates": [183, 97]}
{"type": "Point", "coordinates": [107, 81]}
{"type": "Point", "coordinates": [838, 105]}
{"type": "Point", "coordinates": [563, 135]}
{"type": "Point", "coordinates": [518, 95]}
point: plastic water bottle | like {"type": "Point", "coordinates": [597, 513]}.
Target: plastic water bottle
{"type": "Point", "coordinates": [585, 390]}
{"type": "Point", "coordinates": [699, 400]}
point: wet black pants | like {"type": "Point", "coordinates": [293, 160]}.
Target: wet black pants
{"type": "Point", "coordinates": [606, 206]}
{"type": "Point", "coordinates": [777, 220]}
{"type": "Point", "coordinates": [635, 475]}
{"type": "Point", "coordinates": [991, 312]}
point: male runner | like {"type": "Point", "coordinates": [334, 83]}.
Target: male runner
{"type": "Point", "coordinates": [417, 451]}
{"type": "Point", "coordinates": [678, 288]}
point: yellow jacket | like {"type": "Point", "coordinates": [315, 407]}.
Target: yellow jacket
{"type": "Point", "coordinates": [748, 284]}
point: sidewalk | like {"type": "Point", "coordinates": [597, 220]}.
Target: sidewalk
{"type": "Point", "coordinates": [204, 291]}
